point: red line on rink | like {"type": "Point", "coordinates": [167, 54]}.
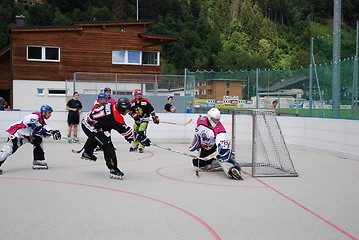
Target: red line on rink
{"type": "Point", "coordinates": [211, 184]}
{"type": "Point", "coordinates": [209, 228]}
{"type": "Point", "coordinates": [308, 210]}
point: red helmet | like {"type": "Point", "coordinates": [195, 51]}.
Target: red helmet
{"type": "Point", "coordinates": [137, 91]}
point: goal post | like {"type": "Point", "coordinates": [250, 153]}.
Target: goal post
{"type": "Point", "coordinates": [258, 143]}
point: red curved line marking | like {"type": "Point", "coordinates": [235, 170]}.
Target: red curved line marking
{"type": "Point", "coordinates": [209, 228]}
{"type": "Point", "coordinates": [210, 184]}
{"type": "Point", "coordinates": [308, 210]}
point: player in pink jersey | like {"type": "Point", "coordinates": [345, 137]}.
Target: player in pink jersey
{"type": "Point", "coordinates": [32, 128]}
{"type": "Point", "coordinates": [211, 142]}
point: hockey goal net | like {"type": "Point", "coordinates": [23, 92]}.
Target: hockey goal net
{"type": "Point", "coordinates": [258, 142]}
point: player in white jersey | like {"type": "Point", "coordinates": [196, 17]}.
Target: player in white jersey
{"type": "Point", "coordinates": [32, 128]}
{"type": "Point", "coordinates": [211, 142]}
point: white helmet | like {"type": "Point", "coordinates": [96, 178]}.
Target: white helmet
{"type": "Point", "coordinates": [213, 113]}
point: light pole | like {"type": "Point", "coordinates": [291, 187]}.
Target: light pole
{"type": "Point", "coordinates": [137, 9]}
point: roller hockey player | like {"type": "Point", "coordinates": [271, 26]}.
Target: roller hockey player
{"type": "Point", "coordinates": [210, 140]}
{"type": "Point", "coordinates": [97, 125]}
{"type": "Point", "coordinates": [141, 110]}
{"type": "Point", "coordinates": [32, 128]}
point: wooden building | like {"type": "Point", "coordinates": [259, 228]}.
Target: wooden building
{"type": "Point", "coordinates": [218, 88]}
{"type": "Point", "coordinates": [56, 53]}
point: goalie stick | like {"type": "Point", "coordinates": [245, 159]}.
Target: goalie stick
{"type": "Point", "coordinates": [182, 153]}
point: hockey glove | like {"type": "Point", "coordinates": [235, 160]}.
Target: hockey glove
{"type": "Point", "coordinates": [56, 134]}
{"type": "Point", "coordinates": [130, 136]}
{"type": "Point", "coordinates": [39, 130]}
{"type": "Point", "coordinates": [144, 141]}
{"type": "Point", "coordinates": [155, 119]}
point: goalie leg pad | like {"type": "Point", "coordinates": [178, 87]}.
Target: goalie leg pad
{"type": "Point", "coordinates": [230, 170]}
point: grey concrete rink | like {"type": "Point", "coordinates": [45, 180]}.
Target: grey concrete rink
{"type": "Point", "coordinates": [161, 198]}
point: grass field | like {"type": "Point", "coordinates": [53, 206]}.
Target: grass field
{"type": "Point", "coordinates": [344, 113]}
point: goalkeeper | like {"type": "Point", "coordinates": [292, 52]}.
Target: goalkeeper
{"type": "Point", "coordinates": [32, 128]}
{"type": "Point", "coordinates": [210, 140]}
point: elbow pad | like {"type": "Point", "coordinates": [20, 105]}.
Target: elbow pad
{"type": "Point", "coordinates": [195, 144]}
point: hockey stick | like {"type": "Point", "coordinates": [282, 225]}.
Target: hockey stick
{"type": "Point", "coordinates": [78, 151]}
{"type": "Point", "coordinates": [178, 124]}
{"type": "Point", "coordinates": [182, 153]}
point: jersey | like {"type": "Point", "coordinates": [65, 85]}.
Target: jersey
{"type": "Point", "coordinates": [72, 103]}
{"type": "Point", "coordinates": [25, 127]}
{"type": "Point", "coordinates": [143, 108]}
{"type": "Point", "coordinates": [207, 136]}
{"type": "Point", "coordinates": [105, 118]}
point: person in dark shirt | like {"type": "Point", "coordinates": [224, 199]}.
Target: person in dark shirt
{"type": "Point", "coordinates": [74, 107]}
{"type": "Point", "coordinates": [169, 107]}
{"type": "Point", "coordinates": [141, 110]}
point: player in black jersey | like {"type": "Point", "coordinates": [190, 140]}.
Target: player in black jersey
{"type": "Point", "coordinates": [97, 125]}
{"type": "Point", "coordinates": [141, 111]}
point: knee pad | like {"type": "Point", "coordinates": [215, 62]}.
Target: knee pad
{"type": "Point", "coordinates": [5, 152]}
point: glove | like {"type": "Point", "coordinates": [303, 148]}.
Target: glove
{"type": "Point", "coordinates": [56, 134]}
{"type": "Point", "coordinates": [135, 116]}
{"type": "Point", "coordinates": [40, 130]}
{"type": "Point", "coordinates": [144, 141]}
{"type": "Point", "coordinates": [156, 120]}
{"type": "Point", "coordinates": [131, 136]}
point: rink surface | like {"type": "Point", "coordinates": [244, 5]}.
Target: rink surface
{"type": "Point", "coordinates": [161, 198]}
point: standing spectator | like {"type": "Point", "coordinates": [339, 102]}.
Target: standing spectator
{"type": "Point", "coordinates": [273, 107]}
{"type": "Point", "coordinates": [74, 107]}
{"type": "Point", "coordinates": [169, 107]}
{"type": "Point", "coordinates": [189, 107]}
{"type": "Point", "coordinates": [2, 103]}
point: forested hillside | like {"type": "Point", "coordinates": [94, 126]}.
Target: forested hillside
{"type": "Point", "coordinates": [214, 34]}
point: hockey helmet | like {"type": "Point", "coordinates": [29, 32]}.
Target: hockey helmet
{"type": "Point", "coordinates": [137, 91]}
{"type": "Point", "coordinates": [214, 114]}
{"type": "Point", "coordinates": [46, 108]}
{"type": "Point", "coordinates": [107, 90]}
{"type": "Point", "coordinates": [101, 95]}
{"type": "Point", "coordinates": [123, 104]}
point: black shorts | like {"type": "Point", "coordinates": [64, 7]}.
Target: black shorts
{"type": "Point", "coordinates": [73, 119]}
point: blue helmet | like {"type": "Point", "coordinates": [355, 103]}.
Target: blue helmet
{"type": "Point", "coordinates": [46, 108]}
{"type": "Point", "coordinates": [101, 95]}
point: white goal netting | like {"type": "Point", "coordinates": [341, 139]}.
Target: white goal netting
{"type": "Point", "coordinates": [258, 142]}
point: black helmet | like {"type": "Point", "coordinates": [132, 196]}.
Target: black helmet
{"type": "Point", "coordinates": [123, 104]}
{"type": "Point", "coordinates": [107, 89]}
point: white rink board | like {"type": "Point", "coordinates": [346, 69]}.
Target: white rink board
{"type": "Point", "coordinates": [334, 136]}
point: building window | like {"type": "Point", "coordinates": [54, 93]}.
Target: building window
{"type": "Point", "coordinates": [228, 84]}
{"type": "Point", "coordinates": [228, 93]}
{"type": "Point", "coordinates": [57, 92]}
{"type": "Point", "coordinates": [151, 58]}
{"type": "Point", "coordinates": [41, 53]}
{"type": "Point", "coordinates": [40, 92]}
{"type": "Point", "coordinates": [126, 57]}
{"type": "Point", "coordinates": [210, 91]}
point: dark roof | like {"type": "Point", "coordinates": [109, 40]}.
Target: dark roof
{"type": "Point", "coordinates": [156, 36]}
{"type": "Point", "coordinates": [79, 25]}
{"type": "Point", "coordinates": [283, 84]}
